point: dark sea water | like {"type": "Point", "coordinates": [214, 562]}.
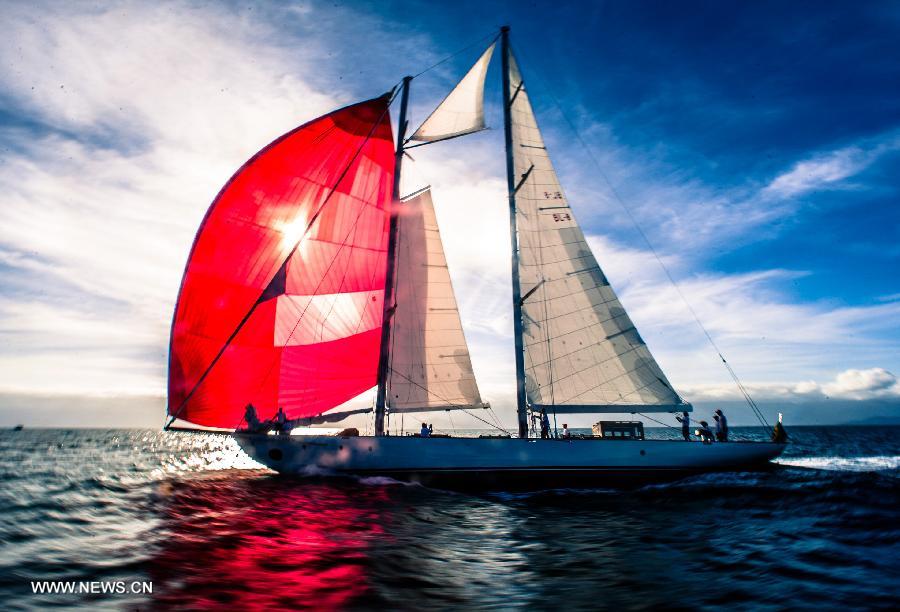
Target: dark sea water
{"type": "Point", "coordinates": [211, 529]}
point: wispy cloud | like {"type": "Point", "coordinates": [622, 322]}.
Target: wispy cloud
{"type": "Point", "coordinates": [764, 333]}
{"type": "Point", "coordinates": [859, 385]}
{"type": "Point", "coordinates": [830, 170]}
{"type": "Point", "coordinates": [133, 116]}
{"type": "Point", "coordinates": [104, 189]}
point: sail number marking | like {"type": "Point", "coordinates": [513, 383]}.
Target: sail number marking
{"type": "Point", "coordinates": [562, 217]}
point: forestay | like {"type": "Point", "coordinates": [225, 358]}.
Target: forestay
{"type": "Point", "coordinates": [462, 111]}
{"type": "Point", "coordinates": [430, 367]}
{"type": "Point", "coordinates": [582, 352]}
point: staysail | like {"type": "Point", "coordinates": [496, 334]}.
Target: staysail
{"type": "Point", "coordinates": [462, 111]}
{"type": "Point", "coordinates": [430, 367]}
{"type": "Point", "coordinates": [582, 352]}
{"type": "Point", "coordinates": [281, 300]}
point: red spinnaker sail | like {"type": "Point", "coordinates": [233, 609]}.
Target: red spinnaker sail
{"type": "Point", "coordinates": [300, 323]}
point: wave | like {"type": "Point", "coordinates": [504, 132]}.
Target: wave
{"type": "Point", "coordinates": [844, 464]}
{"type": "Point", "coordinates": [509, 496]}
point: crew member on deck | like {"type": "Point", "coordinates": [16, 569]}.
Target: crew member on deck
{"type": "Point", "coordinates": [721, 427]}
{"type": "Point", "coordinates": [704, 433]}
{"type": "Point", "coordinates": [545, 425]}
{"type": "Point", "coordinates": [280, 420]}
{"type": "Point", "coordinates": [252, 420]}
{"type": "Point", "coordinates": [430, 430]}
{"type": "Point", "coordinates": [424, 432]}
{"type": "Point", "coordinates": [685, 421]}
{"type": "Point", "coordinates": [566, 433]}
{"type": "Point", "coordinates": [779, 434]}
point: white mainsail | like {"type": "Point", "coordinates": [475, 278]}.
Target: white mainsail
{"type": "Point", "coordinates": [462, 111]}
{"type": "Point", "coordinates": [430, 367]}
{"type": "Point", "coordinates": [582, 352]}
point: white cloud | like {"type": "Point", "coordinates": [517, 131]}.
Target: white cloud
{"type": "Point", "coordinates": [829, 170]}
{"type": "Point", "coordinates": [764, 335]}
{"type": "Point", "coordinates": [873, 383]}
{"type": "Point", "coordinates": [863, 384]}
{"type": "Point", "coordinates": [149, 109]}
{"type": "Point", "coordinates": [818, 173]}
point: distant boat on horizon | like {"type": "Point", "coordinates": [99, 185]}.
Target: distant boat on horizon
{"type": "Point", "coordinates": [311, 280]}
{"type": "Point", "coordinates": [18, 428]}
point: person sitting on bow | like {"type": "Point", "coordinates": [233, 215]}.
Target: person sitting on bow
{"type": "Point", "coordinates": [704, 433]}
{"type": "Point", "coordinates": [251, 418]}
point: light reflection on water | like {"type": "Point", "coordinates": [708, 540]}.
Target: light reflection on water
{"type": "Point", "coordinates": [212, 529]}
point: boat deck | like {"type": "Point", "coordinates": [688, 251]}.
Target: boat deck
{"type": "Point", "coordinates": [504, 462]}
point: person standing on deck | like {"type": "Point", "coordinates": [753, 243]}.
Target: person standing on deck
{"type": "Point", "coordinates": [565, 432]}
{"type": "Point", "coordinates": [545, 425]}
{"type": "Point", "coordinates": [280, 420]}
{"type": "Point", "coordinates": [685, 421]}
{"type": "Point", "coordinates": [424, 433]}
{"type": "Point", "coordinates": [722, 425]}
{"type": "Point", "coordinates": [779, 435]}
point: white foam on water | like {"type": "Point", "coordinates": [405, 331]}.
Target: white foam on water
{"type": "Point", "coordinates": [383, 480]}
{"type": "Point", "coordinates": [844, 464]}
{"type": "Point", "coordinates": [315, 470]}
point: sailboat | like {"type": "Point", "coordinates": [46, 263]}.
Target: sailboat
{"type": "Point", "coordinates": [313, 280]}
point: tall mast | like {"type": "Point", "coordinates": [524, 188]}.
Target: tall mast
{"type": "Point", "coordinates": [521, 407]}
{"type": "Point", "coordinates": [388, 308]}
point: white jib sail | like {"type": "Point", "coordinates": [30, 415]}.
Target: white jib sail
{"type": "Point", "coordinates": [430, 367]}
{"type": "Point", "coordinates": [582, 352]}
{"type": "Point", "coordinates": [462, 111]}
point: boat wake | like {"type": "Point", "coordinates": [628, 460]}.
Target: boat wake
{"type": "Point", "coordinates": [843, 464]}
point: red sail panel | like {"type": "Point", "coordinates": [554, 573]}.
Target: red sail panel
{"type": "Point", "coordinates": [299, 330]}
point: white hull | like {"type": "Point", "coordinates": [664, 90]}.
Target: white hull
{"type": "Point", "coordinates": [503, 462]}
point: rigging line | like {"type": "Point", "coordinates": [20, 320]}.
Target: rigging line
{"type": "Point", "coordinates": [494, 416]}
{"type": "Point", "coordinates": [659, 260]}
{"type": "Point", "coordinates": [455, 53]}
{"type": "Point", "coordinates": [540, 239]}
{"type": "Point", "coordinates": [394, 307]}
{"type": "Point", "coordinates": [351, 235]}
{"type": "Point", "coordinates": [312, 220]}
{"type": "Point", "coordinates": [451, 404]}
{"type": "Point", "coordinates": [540, 236]}
{"type": "Point", "coordinates": [655, 421]}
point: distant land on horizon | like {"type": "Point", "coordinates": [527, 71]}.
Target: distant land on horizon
{"type": "Point", "coordinates": [877, 420]}
{"type": "Point", "coordinates": [148, 411]}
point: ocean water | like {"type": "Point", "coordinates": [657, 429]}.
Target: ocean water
{"type": "Point", "coordinates": [212, 530]}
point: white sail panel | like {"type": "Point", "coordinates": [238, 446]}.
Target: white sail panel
{"type": "Point", "coordinates": [462, 111]}
{"type": "Point", "coordinates": [430, 367]}
{"type": "Point", "coordinates": [581, 348]}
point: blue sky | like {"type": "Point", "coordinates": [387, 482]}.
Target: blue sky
{"type": "Point", "coordinates": [757, 144]}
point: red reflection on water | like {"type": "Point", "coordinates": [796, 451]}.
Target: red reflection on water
{"type": "Point", "coordinates": [251, 541]}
